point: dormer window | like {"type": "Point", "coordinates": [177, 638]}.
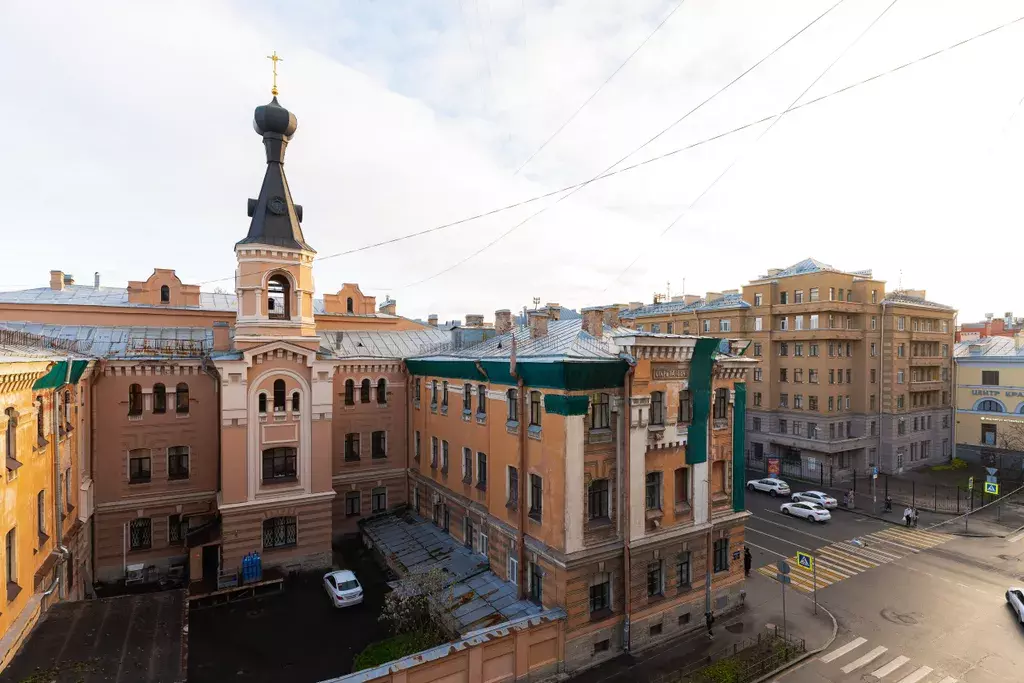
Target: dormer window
{"type": "Point", "coordinates": [278, 298]}
{"type": "Point", "coordinates": [165, 294]}
{"type": "Point", "coordinates": [349, 305]}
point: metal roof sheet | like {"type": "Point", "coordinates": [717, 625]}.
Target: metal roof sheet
{"type": "Point", "coordinates": [1003, 348]}
{"type": "Point", "coordinates": [727, 302]}
{"type": "Point", "coordinates": [565, 340]}
{"type": "Point", "coordinates": [903, 299]}
{"type": "Point", "coordinates": [375, 344]}
{"type": "Point", "coordinates": [124, 342]}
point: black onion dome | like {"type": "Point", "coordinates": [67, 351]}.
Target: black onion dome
{"type": "Point", "coordinates": [273, 118]}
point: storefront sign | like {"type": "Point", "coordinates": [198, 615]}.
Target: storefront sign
{"type": "Point", "coordinates": [1010, 393]}
{"type": "Point", "coordinates": [671, 372]}
{"type": "Point", "coordinates": [773, 466]}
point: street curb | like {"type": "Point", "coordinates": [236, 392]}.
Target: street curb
{"type": "Point", "coordinates": [807, 655]}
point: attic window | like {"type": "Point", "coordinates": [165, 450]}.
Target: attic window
{"type": "Point", "coordinates": [165, 294]}
{"type": "Point", "coordinates": [348, 305]}
{"type": "Point", "coordinates": [278, 298]}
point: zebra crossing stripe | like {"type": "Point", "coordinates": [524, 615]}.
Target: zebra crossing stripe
{"type": "Point", "coordinates": [866, 659]}
{"type": "Point", "coordinates": [890, 667]}
{"type": "Point", "coordinates": [825, 576]}
{"type": "Point", "coordinates": [879, 537]}
{"type": "Point", "coordinates": [795, 581]}
{"type": "Point", "coordinates": [917, 675]}
{"type": "Point", "coordinates": [840, 651]}
{"type": "Point", "coordinates": [876, 556]}
{"type": "Point", "coordinates": [856, 563]}
{"type": "Point", "coordinates": [832, 566]}
{"type": "Point", "coordinates": [919, 537]}
{"type": "Point", "coordinates": [903, 537]}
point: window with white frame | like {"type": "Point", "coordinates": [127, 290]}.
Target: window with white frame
{"type": "Point", "coordinates": [725, 325]}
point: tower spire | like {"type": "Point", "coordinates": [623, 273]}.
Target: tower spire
{"type": "Point", "coordinates": [274, 58]}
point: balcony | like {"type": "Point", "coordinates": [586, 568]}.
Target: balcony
{"type": "Point", "coordinates": [820, 333]}
{"type": "Point", "coordinates": [928, 385]}
{"type": "Point", "coordinates": [926, 361]}
{"type": "Point", "coordinates": [929, 335]}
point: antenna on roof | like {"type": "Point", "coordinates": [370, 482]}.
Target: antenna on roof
{"type": "Point", "coordinates": [536, 302]}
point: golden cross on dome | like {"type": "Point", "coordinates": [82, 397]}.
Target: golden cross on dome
{"type": "Point", "coordinates": [275, 59]}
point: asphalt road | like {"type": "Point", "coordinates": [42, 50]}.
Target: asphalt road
{"type": "Point", "coordinates": [912, 606]}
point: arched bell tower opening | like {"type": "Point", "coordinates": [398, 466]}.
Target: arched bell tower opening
{"type": "Point", "coordinates": [279, 297]}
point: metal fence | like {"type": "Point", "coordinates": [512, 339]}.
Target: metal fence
{"type": "Point", "coordinates": [742, 662]}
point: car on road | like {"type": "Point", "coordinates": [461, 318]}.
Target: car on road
{"type": "Point", "coordinates": [773, 487]}
{"type": "Point", "coordinates": [808, 511]}
{"type": "Point", "coordinates": [823, 499]}
{"type": "Point", "coordinates": [343, 588]}
{"type": "Point", "coordinates": [1015, 596]}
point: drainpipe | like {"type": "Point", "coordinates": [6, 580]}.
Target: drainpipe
{"type": "Point", "coordinates": [58, 527]}
{"type": "Point", "coordinates": [881, 383]}
{"type": "Point", "coordinates": [522, 488]}
{"type": "Point", "coordinates": [410, 436]}
{"type": "Point", "coordinates": [953, 369]}
{"type": "Point", "coordinates": [625, 512]}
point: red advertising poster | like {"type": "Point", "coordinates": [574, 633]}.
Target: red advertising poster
{"type": "Point", "coordinates": [773, 467]}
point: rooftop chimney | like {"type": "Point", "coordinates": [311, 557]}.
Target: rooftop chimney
{"type": "Point", "coordinates": [503, 321]}
{"type": "Point", "coordinates": [772, 272]}
{"type": "Point", "coordinates": [57, 280]}
{"type": "Point", "coordinates": [633, 305]}
{"type": "Point", "coordinates": [593, 321]}
{"type": "Point", "coordinates": [538, 324]}
{"type": "Point", "coordinates": [69, 279]}
{"type": "Point", "coordinates": [713, 296]}
{"type": "Point", "coordinates": [691, 299]}
{"type": "Point", "coordinates": [221, 336]}
{"type": "Point", "coordinates": [96, 280]}
{"type": "Point", "coordinates": [611, 315]}
{"type": "Point", "coordinates": [474, 320]}
{"type": "Point", "coordinates": [554, 311]}
{"type": "Point", "coordinates": [389, 307]}
{"type": "Point", "coordinates": [432, 319]}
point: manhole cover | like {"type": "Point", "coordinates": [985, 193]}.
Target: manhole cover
{"type": "Point", "coordinates": [735, 628]}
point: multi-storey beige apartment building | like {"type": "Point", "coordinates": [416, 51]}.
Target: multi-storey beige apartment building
{"type": "Point", "coordinates": [851, 376]}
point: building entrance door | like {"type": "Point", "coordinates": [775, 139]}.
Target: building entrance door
{"type": "Point", "coordinates": [211, 563]}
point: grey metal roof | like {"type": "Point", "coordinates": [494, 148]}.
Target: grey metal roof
{"type": "Point", "coordinates": [125, 342]}
{"type": "Point", "coordinates": [17, 346]}
{"type": "Point", "coordinates": [727, 302]}
{"type": "Point", "coordinates": [415, 546]}
{"type": "Point", "coordinates": [565, 340]}
{"type": "Point", "coordinates": [1003, 348]}
{"type": "Point", "coordinates": [810, 265]}
{"type": "Point", "coordinates": [373, 344]}
{"type": "Point", "coordinates": [904, 299]}
{"type": "Point", "coordinates": [82, 295]}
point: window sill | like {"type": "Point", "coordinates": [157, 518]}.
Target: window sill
{"type": "Point", "coordinates": [512, 505]}
{"type": "Point", "coordinates": [13, 590]}
{"type": "Point", "coordinates": [684, 588]}
{"type": "Point", "coordinates": [177, 477]}
{"type": "Point", "coordinates": [139, 548]}
{"type": "Point", "coordinates": [467, 415]}
{"type": "Point", "coordinates": [379, 456]}
{"type": "Point", "coordinates": [600, 435]}
{"type": "Point", "coordinates": [468, 479]}
{"type": "Point", "coordinates": [41, 537]}
{"type": "Point", "coordinates": [601, 614]}
{"type": "Point", "coordinates": [512, 427]}
{"type": "Point", "coordinates": [433, 407]}
{"type": "Point", "coordinates": [535, 516]}
{"type": "Point", "coordinates": [534, 432]}
{"type": "Point", "coordinates": [481, 486]}
{"type": "Point", "coordinates": [132, 482]}
{"type": "Point", "coordinates": [444, 410]}
{"type": "Point", "coordinates": [41, 444]}
{"type": "Point", "coordinates": [481, 418]}
{"type": "Point", "coordinates": [657, 597]}
{"type": "Point", "coordinates": [683, 509]}
{"type": "Point", "coordinates": [655, 513]}
{"type": "Point", "coordinates": [182, 416]}
{"type": "Point", "coordinates": [444, 472]}
{"type": "Point", "coordinates": [279, 480]}
{"type": "Point", "coordinates": [352, 514]}
{"type": "Point", "coordinates": [351, 459]}
{"type": "Point", "coordinates": [134, 418]}
{"type": "Point", "coordinates": [655, 427]}
{"type": "Point", "coordinates": [272, 548]}
{"type": "Point", "coordinates": [416, 404]}
{"type": "Point", "coordinates": [599, 523]}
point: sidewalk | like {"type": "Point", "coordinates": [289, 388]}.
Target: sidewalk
{"type": "Point", "coordinates": [978, 525]}
{"type": "Point", "coordinates": [763, 608]}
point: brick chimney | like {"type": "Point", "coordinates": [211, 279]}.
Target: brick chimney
{"type": "Point", "coordinates": [503, 321]}
{"type": "Point", "coordinates": [713, 296]}
{"type": "Point", "coordinates": [432, 319]}
{"type": "Point", "coordinates": [389, 307]}
{"type": "Point", "coordinates": [57, 280]}
{"type": "Point", "coordinates": [221, 336]}
{"type": "Point", "coordinates": [593, 321]}
{"type": "Point", "coordinates": [554, 311]}
{"type": "Point", "coordinates": [474, 320]}
{"type": "Point", "coordinates": [538, 324]}
{"type": "Point", "coordinates": [690, 299]}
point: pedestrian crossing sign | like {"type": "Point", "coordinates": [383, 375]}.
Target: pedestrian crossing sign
{"type": "Point", "coordinates": [992, 488]}
{"type": "Point", "coordinates": [805, 560]}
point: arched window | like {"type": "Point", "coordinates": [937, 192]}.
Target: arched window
{"type": "Point", "coordinates": [348, 305]}
{"type": "Point", "coordinates": [181, 399]}
{"type": "Point", "coordinates": [11, 434]}
{"type": "Point", "coordinates": [278, 298]}
{"type": "Point", "coordinates": [135, 400]}
{"type": "Point", "coordinates": [165, 294]}
{"type": "Point", "coordinates": [261, 401]}
{"type": "Point", "coordinates": [279, 395]}
{"type": "Point", "coordinates": [159, 398]}
{"type": "Point", "coordinates": [295, 401]}
{"type": "Point", "coordinates": [350, 392]}
{"type": "Point", "coordinates": [382, 391]}
{"type": "Point", "coordinates": [990, 406]}
{"type": "Point", "coordinates": [40, 420]}
{"type": "Point", "coordinates": [364, 391]}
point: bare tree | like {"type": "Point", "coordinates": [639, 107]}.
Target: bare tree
{"type": "Point", "coordinates": [408, 607]}
{"type": "Point", "coordinates": [1011, 437]}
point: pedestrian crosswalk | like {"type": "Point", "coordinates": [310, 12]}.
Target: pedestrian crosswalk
{"type": "Point", "coordinates": [858, 657]}
{"type": "Point", "coordinates": [844, 559]}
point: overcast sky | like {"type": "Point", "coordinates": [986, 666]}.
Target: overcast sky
{"type": "Point", "coordinates": [129, 144]}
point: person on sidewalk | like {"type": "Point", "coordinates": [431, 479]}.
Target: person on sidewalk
{"type": "Point", "coordinates": [888, 504]}
{"type": "Point", "coordinates": [915, 517]}
{"type": "Point", "coordinates": [907, 515]}
{"type": "Point", "coordinates": [709, 618]}
{"type": "Point", "coordinates": [748, 559]}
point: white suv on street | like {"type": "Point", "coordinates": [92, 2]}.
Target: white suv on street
{"type": "Point", "coordinates": [773, 487]}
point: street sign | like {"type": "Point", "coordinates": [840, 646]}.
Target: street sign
{"type": "Point", "coordinates": [992, 470]}
{"type": "Point", "coordinates": [805, 560]}
{"type": "Point", "coordinates": [970, 483]}
{"type": "Point", "coordinates": [992, 488]}
{"type": "Point", "coordinates": [991, 479]}
{"type": "Point", "coordinates": [874, 471]}
{"type": "Point", "coordinates": [783, 566]}
{"type": "Point", "coordinates": [783, 578]}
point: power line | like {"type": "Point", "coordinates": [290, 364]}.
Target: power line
{"type": "Point", "coordinates": [599, 88]}
{"type": "Point", "coordinates": [579, 187]}
{"type": "Point", "coordinates": [758, 138]}
{"type": "Point", "coordinates": [653, 159]}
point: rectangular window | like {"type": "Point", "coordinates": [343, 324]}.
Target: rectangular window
{"type": "Point", "coordinates": [682, 477]}
{"type": "Point", "coordinates": [669, 326]}
{"type": "Point", "coordinates": [988, 434]}
{"type": "Point", "coordinates": [139, 466]}
{"type": "Point", "coordinates": [417, 389]}
{"type": "Point", "coordinates": [177, 462]}
{"type": "Point", "coordinates": [482, 543]}
{"type": "Point", "coordinates": [656, 328]}
{"type": "Point", "coordinates": [849, 376]}
{"type": "Point", "coordinates": [783, 426]}
{"type": "Point", "coordinates": [706, 325]}
{"type": "Point", "coordinates": [812, 376]}
{"type": "Point", "coordinates": [725, 325]}
{"type": "Point", "coordinates": [536, 496]}
{"type": "Point", "coordinates": [177, 529]}
{"type": "Point", "coordinates": [758, 324]}
{"type": "Point", "coordinates": [758, 299]}
{"type": "Point", "coordinates": [536, 583]}
{"type": "Point", "coordinates": [783, 375]}
{"type": "Point", "coordinates": [813, 350]}
{"type": "Point", "coordinates": [798, 375]}
{"type": "Point", "coordinates": [654, 582]}
{"type": "Point", "coordinates": [653, 490]}
{"type": "Point", "coordinates": [831, 403]}
{"type": "Point", "coordinates": [433, 451]}
{"type": "Point", "coordinates": [481, 400]}
{"type": "Point", "coordinates": [812, 430]}
{"type": "Point", "coordinates": [798, 296]}
{"type": "Point", "coordinates": [831, 293]}
{"type": "Point", "coordinates": [990, 378]}
{"type": "Point", "coordinates": [512, 573]}
{"type": "Point", "coordinates": [467, 398]}
{"type": "Point", "coordinates": [140, 533]}
{"type": "Point", "coordinates": [899, 377]}
{"type": "Point", "coordinates": [512, 401]}
{"type": "Point", "coordinates": [379, 499]}
{"type": "Point", "coordinates": [600, 594]}
{"type": "Point", "coordinates": [783, 297]}
{"type": "Point", "coordinates": [814, 294]}
{"type": "Point", "coordinates": [798, 322]}
{"type": "Point", "coordinates": [757, 374]}
{"type": "Point", "coordinates": [757, 398]}
{"type": "Point", "coordinates": [378, 444]}
{"type": "Point", "coordinates": [757, 349]}
{"type": "Point", "coordinates": [720, 410]}
{"type": "Point", "coordinates": [279, 532]}
{"type": "Point", "coordinates": [840, 294]}
{"type": "Point", "coordinates": [797, 428]}
{"type": "Point", "coordinates": [534, 408]}
{"type": "Point", "coordinates": [721, 555]}
{"type": "Point", "coordinates": [481, 471]}
{"type": "Point", "coordinates": [513, 486]}
{"type": "Point", "coordinates": [658, 408]}
{"type": "Point", "coordinates": [444, 457]}
{"type": "Point", "coordinates": [831, 376]}
{"type": "Point", "coordinates": [901, 351]}
{"type": "Point", "coordinates": [683, 570]}
{"type": "Point", "coordinates": [433, 394]}
{"type": "Point", "coordinates": [416, 446]}
{"type": "Point", "coordinates": [597, 499]}
{"type": "Point", "coordinates": [757, 424]}
{"type": "Point", "coordinates": [41, 512]}
{"type": "Point", "coordinates": [352, 503]}
{"type": "Point", "coordinates": [901, 323]}
{"type": "Point", "coordinates": [812, 402]}
{"type": "Point", "coordinates": [798, 349]}
{"type": "Point", "coordinates": [814, 321]}
{"type": "Point", "coordinates": [444, 394]}
{"type": "Point", "coordinates": [279, 463]}
{"type": "Point", "coordinates": [798, 401]}
{"type": "Point", "coordinates": [352, 446]}
{"type": "Point", "coordinates": [467, 465]}
{"type": "Point", "coordinates": [783, 349]}
{"type": "Point", "coordinates": [784, 323]}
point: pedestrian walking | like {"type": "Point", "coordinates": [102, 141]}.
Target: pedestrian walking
{"type": "Point", "coordinates": [748, 559]}
{"type": "Point", "coordinates": [709, 618]}
{"type": "Point", "coordinates": [907, 516]}
{"type": "Point", "coordinates": [915, 517]}
{"type": "Point", "coordinates": [888, 504]}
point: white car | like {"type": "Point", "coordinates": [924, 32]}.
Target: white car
{"type": "Point", "coordinates": [773, 487]}
{"type": "Point", "coordinates": [823, 499]}
{"type": "Point", "coordinates": [809, 511]}
{"type": "Point", "coordinates": [1015, 598]}
{"type": "Point", "coordinates": [343, 588]}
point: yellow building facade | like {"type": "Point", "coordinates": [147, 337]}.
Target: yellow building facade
{"type": "Point", "coordinates": [990, 402]}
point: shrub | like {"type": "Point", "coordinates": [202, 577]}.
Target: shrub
{"type": "Point", "coordinates": [395, 647]}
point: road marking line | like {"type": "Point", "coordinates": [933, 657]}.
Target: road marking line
{"type": "Point", "coordinates": [890, 667]}
{"type": "Point", "coordinates": [887, 553]}
{"type": "Point", "coordinates": [948, 679]}
{"type": "Point", "coordinates": [917, 675]}
{"type": "Point", "coordinates": [888, 538]}
{"type": "Point", "coordinates": [795, 582]}
{"type": "Point", "coordinates": [1011, 539]}
{"type": "Point", "coordinates": [789, 527]}
{"type": "Point", "coordinates": [854, 563]}
{"type": "Point", "coordinates": [825, 577]}
{"type": "Point", "coordinates": [963, 585]}
{"type": "Point", "coordinates": [840, 651]}
{"type": "Point", "coordinates": [876, 556]}
{"type": "Point", "coordinates": [750, 528]}
{"type": "Point", "coordinates": [832, 566]}
{"type": "Point", "coordinates": [907, 537]}
{"type": "Point", "coordinates": [866, 659]}
{"type": "Point", "coordinates": [884, 555]}
{"type": "Point", "coordinates": [920, 536]}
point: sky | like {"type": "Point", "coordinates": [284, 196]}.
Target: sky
{"type": "Point", "coordinates": [130, 147]}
